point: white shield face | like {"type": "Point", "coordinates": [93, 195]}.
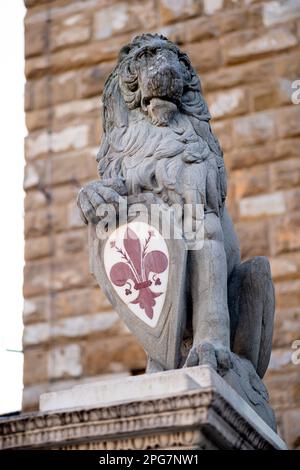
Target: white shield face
{"type": "Point", "coordinates": [136, 261]}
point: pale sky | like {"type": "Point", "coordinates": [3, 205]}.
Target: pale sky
{"type": "Point", "coordinates": [12, 132]}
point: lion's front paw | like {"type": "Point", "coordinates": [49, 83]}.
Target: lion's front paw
{"type": "Point", "coordinates": [98, 192]}
{"type": "Point", "coordinates": [218, 357]}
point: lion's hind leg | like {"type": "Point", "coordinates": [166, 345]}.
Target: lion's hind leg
{"type": "Point", "coordinates": [251, 306]}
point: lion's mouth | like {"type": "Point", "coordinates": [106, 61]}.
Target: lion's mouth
{"type": "Point", "coordinates": [160, 109]}
{"type": "Point", "coordinates": [146, 101]}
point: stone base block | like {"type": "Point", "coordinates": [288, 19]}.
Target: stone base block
{"type": "Point", "coordinates": [182, 409]}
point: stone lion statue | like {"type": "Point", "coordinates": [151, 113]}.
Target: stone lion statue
{"type": "Point", "coordinates": [157, 138]}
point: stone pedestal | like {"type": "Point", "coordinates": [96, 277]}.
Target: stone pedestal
{"type": "Point", "coordinates": [182, 409]}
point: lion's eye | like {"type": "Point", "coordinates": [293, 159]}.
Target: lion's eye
{"type": "Point", "coordinates": [146, 53]}
{"type": "Point", "coordinates": [133, 86]}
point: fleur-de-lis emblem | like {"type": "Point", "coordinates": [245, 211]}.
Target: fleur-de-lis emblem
{"type": "Point", "coordinates": [135, 270]}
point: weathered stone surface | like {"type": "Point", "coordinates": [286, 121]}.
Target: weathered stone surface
{"type": "Point", "coordinates": [172, 11]}
{"type": "Point", "coordinates": [280, 11]}
{"type": "Point", "coordinates": [288, 121]}
{"type": "Point", "coordinates": [285, 174]}
{"type": "Point", "coordinates": [65, 273]}
{"type": "Point", "coordinates": [205, 55]}
{"type": "Point", "coordinates": [140, 98]}
{"type": "Point", "coordinates": [288, 295]}
{"type": "Point", "coordinates": [176, 418]}
{"type": "Point", "coordinates": [35, 369]}
{"type": "Point", "coordinates": [115, 354]}
{"type": "Point", "coordinates": [58, 88]}
{"type": "Point", "coordinates": [32, 393]}
{"type": "Point", "coordinates": [242, 46]}
{"type": "Point", "coordinates": [36, 37]}
{"type": "Point", "coordinates": [70, 31]}
{"type": "Point", "coordinates": [251, 181]}
{"type": "Point", "coordinates": [65, 362]}
{"type": "Point", "coordinates": [285, 233]}
{"type": "Point", "coordinates": [123, 17]}
{"type": "Point", "coordinates": [254, 129]}
{"type": "Point", "coordinates": [71, 138]}
{"type": "Point", "coordinates": [223, 130]}
{"type": "Point", "coordinates": [91, 80]}
{"type": "Point", "coordinates": [264, 205]}
{"type": "Point", "coordinates": [229, 103]}
{"type": "Point", "coordinates": [103, 323]}
{"type": "Point", "coordinates": [291, 421]}
{"type": "Point", "coordinates": [254, 239]}
{"type": "Point", "coordinates": [263, 153]}
{"type": "Point", "coordinates": [175, 422]}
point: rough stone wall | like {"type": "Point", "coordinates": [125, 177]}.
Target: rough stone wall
{"type": "Point", "coordinates": [248, 54]}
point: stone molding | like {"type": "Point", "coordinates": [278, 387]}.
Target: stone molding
{"type": "Point", "coordinates": [200, 419]}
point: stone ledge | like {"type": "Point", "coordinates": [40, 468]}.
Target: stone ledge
{"type": "Point", "coordinates": [207, 416]}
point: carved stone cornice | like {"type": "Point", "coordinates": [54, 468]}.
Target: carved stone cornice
{"type": "Point", "coordinates": [194, 420]}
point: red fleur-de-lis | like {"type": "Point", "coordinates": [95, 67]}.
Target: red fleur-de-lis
{"type": "Point", "coordinates": [137, 267]}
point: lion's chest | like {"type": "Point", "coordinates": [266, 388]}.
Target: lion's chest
{"type": "Point", "coordinates": [163, 158]}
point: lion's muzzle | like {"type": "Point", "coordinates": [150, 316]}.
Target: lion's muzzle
{"type": "Point", "coordinates": [161, 86]}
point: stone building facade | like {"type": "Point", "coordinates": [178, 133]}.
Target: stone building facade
{"type": "Point", "coordinates": [247, 53]}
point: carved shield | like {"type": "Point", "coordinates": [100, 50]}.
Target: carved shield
{"type": "Point", "coordinates": [143, 275]}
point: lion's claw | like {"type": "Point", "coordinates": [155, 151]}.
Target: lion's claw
{"type": "Point", "coordinates": [219, 358]}
{"type": "Point", "coordinates": [91, 196]}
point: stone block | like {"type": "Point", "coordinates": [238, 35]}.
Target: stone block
{"type": "Point", "coordinates": [103, 324]}
{"type": "Point", "coordinates": [113, 354]}
{"type": "Point", "coordinates": [70, 138]}
{"type": "Point", "coordinates": [287, 327]}
{"type": "Point", "coordinates": [211, 7]}
{"type": "Point", "coordinates": [35, 38]}
{"type": "Point", "coordinates": [254, 238]}
{"type": "Point", "coordinates": [35, 366]}
{"type": "Point", "coordinates": [229, 103]}
{"type": "Point", "coordinates": [65, 361]}
{"type": "Point", "coordinates": [223, 131]}
{"type": "Point", "coordinates": [291, 426]}
{"type": "Point", "coordinates": [187, 409]}
{"type": "Point", "coordinates": [205, 55]}
{"type": "Point", "coordinates": [39, 247]}
{"type": "Point", "coordinates": [254, 129]}
{"type": "Point", "coordinates": [263, 153]}
{"type": "Point", "coordinates": [70, 31]}
{"type": "Point", "coordinates": [91, 80]}
{"type": "Point", "coordinates": [69, 59]}
{"type": "Point", "coordinates": [263, 205]}
{"type": "Point", "coordinates": [285, 388]}
{"type": "Point", "coordinates": [288, 294]}
{"type": "Point", "coordinates": [41, 222]}
{"type": "Point", "coordinates": [276, 12]}
{"type": "Point", "coordinates": [37, 309]}
{"type": "Point", "coordinates": [31, 393]}
{"type": "Point", "coordinates": [288, 121]}
{"type": "Point", "coordinates": [63, 87]}
{"type": "Point", "coordinates": [173, 11]}
{"type": "Point", "coordinates": [251, 181]}
{"type": "Point", "coordinates": [78, 302]}
{"type": "Point", "coordinates": [62, 273]}
{"type": "Point", "coordinates": [285, 174]}
{"type": "Point", "coordinates": [245, 45]}
{"type": "Point", "coordinates": [285, 233]}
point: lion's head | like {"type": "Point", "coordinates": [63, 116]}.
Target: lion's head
{"type": "Point", "coordinates": [155, 76]}
{"type": "Point", "coordinates": [152, 83]}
